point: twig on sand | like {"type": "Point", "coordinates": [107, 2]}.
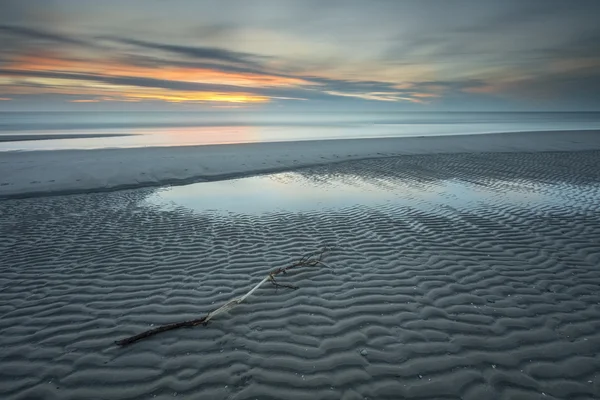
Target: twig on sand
{"type": "Point", "coordinates": [310, 260]}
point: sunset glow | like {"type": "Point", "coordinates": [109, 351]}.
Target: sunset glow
{"type": "Point", "coordinates": [73, 86]}
{"type": "Point", "coordinates": [386, 55]}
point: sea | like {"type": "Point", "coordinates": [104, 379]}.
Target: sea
{"type": "Point", "coordinates": [143, 129]}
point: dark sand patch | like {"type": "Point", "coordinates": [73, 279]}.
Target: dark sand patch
{"type": "Point", "coordinates": [495, 296]}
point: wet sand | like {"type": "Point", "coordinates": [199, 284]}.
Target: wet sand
{"type": "Point", "coordinates": [454, 276]}
{"type": "Point", "coordinates": [35, 173]}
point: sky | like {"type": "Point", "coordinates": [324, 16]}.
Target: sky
{"type": "Point", "coordinates": [426, 55]}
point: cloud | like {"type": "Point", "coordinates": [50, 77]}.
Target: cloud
{"type": "Point", "coordinates": [126, 80]}
{"type": "Point", "coordinates": [500, 36]}
{"type": "Point", "coordinates": [379, 52]}
{"type": "Point", "coordinates": [203, 53]}
{"type": "Point", "coordinates": [584, 45]}
{"type": "Point", "coordinates": [134, 70]}
{"type": "Point", "coordinates": [322, 88]}
{"type": "Point", "coordinates": [559, 87]}
{"type": "Point", "coordinates": [158, 62]}
{"type": "Point", "coordinates": [41, 35]}
{"type": "Point", "coordinates": [172, 89]}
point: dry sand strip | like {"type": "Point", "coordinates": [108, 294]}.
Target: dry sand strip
{"type": "Point", "coordinates": [24, 174]}
{"type": "Point", "coordinates": [429, 297]}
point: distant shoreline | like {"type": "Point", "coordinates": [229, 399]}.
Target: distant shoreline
{"type": "Point", "coordinates": [24, 138]}
{"type": "Point", "coordinates": [40, 173]}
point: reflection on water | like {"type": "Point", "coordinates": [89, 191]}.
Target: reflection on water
{"type": "Point", "coordinates": [193, 136]}
{"type": "Point", "coordinates": [156, 137]}
{"type": "Point", "coordinates": [186, 129]}
{"type": "Point", "coordinates": [270, 193]}
{"type": "Point", "coordinates": [306, 192]}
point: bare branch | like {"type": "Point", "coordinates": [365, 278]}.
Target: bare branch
{"type": "Point", "coordinates": [310, 260]}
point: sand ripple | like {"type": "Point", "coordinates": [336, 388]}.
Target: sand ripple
{"type": "Point", "coordinates": [494, 295]}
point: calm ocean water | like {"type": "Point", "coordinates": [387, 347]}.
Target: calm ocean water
{"type": "Point", "coordinates": [194, 128]}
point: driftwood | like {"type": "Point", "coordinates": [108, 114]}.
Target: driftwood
{"type": "Point", "coordinates": [311, 260]}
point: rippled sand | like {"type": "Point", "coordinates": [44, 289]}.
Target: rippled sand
{"type": "Point", "coordinates": [472, 276]}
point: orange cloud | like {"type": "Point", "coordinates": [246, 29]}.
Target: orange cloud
{"type": "Point", "coordinates": [199, 97]}
{"type": "Point", "coordinates": [5, 99]}
{"type": "Point", "coordinates": [425, 95]}
{"type": "Point", "coordinates": [100, 91]}
{"type": "Point", "coordinates": [52, 63]}
{"type": "Point", "coordinates": [116, 92]}
{"type": "Point", "coordinates": [56, 63]}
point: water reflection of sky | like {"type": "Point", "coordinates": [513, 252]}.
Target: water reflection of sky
{"type": "Point", "coordinates": [298, 192]}
{"type": "Point", "coordinates": [206, 135]}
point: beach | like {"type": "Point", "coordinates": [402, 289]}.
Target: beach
{"type": "Point", "coordinates": [341, 200]}
{"type": "Point", "coordinates": [33, 173]}
{"type": "Point", "coordinates": [460, 268]}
